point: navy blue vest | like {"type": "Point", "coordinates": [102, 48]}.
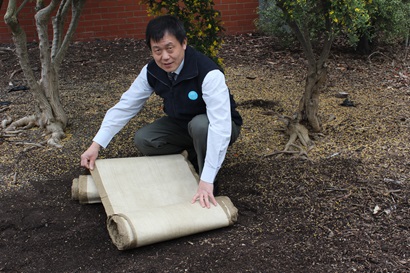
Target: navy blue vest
{"type": "Point", "coordinates": [183, 98]}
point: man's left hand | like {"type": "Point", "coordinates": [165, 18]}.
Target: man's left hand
{"type": "Point", "coordinates": [205, 195]}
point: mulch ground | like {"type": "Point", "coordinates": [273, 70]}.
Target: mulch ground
{"type": "Point", "coordinates": [344, 209]}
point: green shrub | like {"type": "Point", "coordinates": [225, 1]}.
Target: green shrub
{"type": "Point", "coordinates": [271, 21]}
{"type": "Point", "coordinates": [390, 20]}
{"type": "Point", "coordinates": [378, 20]}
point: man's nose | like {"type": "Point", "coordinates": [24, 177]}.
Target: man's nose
{"type": "Point", "coordinates": [165, 55]}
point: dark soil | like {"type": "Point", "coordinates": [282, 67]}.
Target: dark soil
{"type": "Point", "coordinates": [344, 209]}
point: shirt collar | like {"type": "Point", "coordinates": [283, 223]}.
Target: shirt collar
{"type": "Point", "coordinates": [178, 71]}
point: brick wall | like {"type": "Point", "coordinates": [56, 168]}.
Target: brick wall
{"type": "Point", "coordinates": [103, 19]}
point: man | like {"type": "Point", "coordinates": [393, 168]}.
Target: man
{"type": "Point", "coordinates": [200, 111]}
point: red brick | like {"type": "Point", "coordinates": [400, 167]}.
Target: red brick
{"type": "Point", "coordinates": [104, 19]}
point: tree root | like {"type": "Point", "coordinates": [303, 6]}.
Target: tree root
{"type": "Point", "coordinates": [5, 122]}
{"type": "Point", "coordinates": [31, 145]}
{"type": "Point", "coordinates": [54, 129]}
{"type": "Point", "coordinates": [300, 153]}
{"type": "Point", "coordinates": [26, 123]}
{"type": "Point", "coordinates": [55, 138]}
{"type": "Point", "coordinates": [296, 132]}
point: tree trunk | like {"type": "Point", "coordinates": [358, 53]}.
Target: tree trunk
{"type": "Point", "coordinates": [52, 110]}
{"type": "Point", "coordinates": [50, 113]}
{"type": "Point", "coordinates": [309, 103]}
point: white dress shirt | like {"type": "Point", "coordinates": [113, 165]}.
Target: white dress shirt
{"type": "Point", "coordinates": [218, 110]}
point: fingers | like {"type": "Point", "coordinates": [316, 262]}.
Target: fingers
{"type": "Point", "coordinates": [91, 164]}
{"type": "Point", "coordinates": [205, 200]}
{"type": "Point", "coordinates": [87, 162]}
{"type": "Point", "coordinates": [205, 194]}
{"type": "Point", "coordinates": [194, 198]}
{"type": "Point", "coordinates": [84, 162]}
{"type": "Point", "coordinates": [213, 200]}
{"type": "Point", "coordinates": [88, 157]}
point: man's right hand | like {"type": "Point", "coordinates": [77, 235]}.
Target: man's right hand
{"type": "Point", "coordinates": [205, 195]}
{"type": "Point", "coordinates": [88, 157]}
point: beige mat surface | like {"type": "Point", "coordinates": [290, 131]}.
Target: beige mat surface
{"type": "Point", "coordinates": [147, 200]}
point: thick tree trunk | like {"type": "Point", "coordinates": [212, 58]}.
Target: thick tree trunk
{"type": "Point", "coordinates": [309, 103]}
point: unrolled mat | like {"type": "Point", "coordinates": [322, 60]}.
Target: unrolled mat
{"type": "Point", "coordinates": [148, 200]}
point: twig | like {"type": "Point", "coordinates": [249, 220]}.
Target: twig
{"type": "Point", "coordinates": [345, 196]}
{"type": "Point", "coordinates": [333, 155]}
{"type": "Point", "coordinates": [15, 132]}
{"type": "Point", "coordinates": [377, 52]}
{"type": "Point", "coordinates": [6, 135]}
{"type": "Point", "coordinates": [282, 152]}
{"type": "Point", "coordinates": [30, 143]}
{"type": "Point", "coordinates": [331, 233]}
{"type": "Point", "coordinates": [392, 191]}
{"type": "Point", "coordinates": [15, 72]}
{"type": "Point", "coordinates": [4, 49]}
{"type": "Point", "coordinates": [4, 109]}
{"type": "Point", "coordinates": [336, 189]}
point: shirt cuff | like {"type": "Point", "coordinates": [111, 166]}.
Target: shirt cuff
{"type": "Point", "coordinates": [208, 174]}
{"type": "Point", "coordinates": [102, 138]}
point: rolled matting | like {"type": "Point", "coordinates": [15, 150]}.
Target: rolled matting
{"type": "Point", "coordinates": [84, 190]}
{"type": "Point", "coordinates": [147, 200]}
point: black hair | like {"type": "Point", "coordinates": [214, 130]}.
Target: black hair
{"type": "Point", "coordinates": [159, 26]}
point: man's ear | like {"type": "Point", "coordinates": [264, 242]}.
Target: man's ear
{"type": "Point", "coordinates": [185, 43]}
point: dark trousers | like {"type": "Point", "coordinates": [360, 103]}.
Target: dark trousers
{"type": "Point", "coordinates": [170, 136]}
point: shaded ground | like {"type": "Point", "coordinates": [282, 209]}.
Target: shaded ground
{"type": "Point", "coordinates": [346, 209]}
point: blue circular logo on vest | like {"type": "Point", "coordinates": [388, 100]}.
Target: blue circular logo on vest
{"type": "Point", "coordinates": [192, 95]}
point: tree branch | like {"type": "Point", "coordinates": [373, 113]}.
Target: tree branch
{"type": "Point", "coordinates": [20, 41]}
{"type": "Point", "coordinates": [22, 6]}
{"type": "Point", "coordinates": [58, 26]}
{"type": "Point", "coordinates": [328, 38]}
{"type": "Point", "coordinates": [42, 18]}
{"type": "Point", "coordinates": [302, 36]}
{"type": "Point", "coordinates": [39, 5]}
{"type": "Point", "coordinates": [11, 16]}
{"type": "Point", "coordinates": [307, 45]}
{"type": "Point", "coordinates": [77, 7]}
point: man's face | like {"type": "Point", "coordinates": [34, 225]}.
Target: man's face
{"type": "Point", "coordinates": [168, 53]}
